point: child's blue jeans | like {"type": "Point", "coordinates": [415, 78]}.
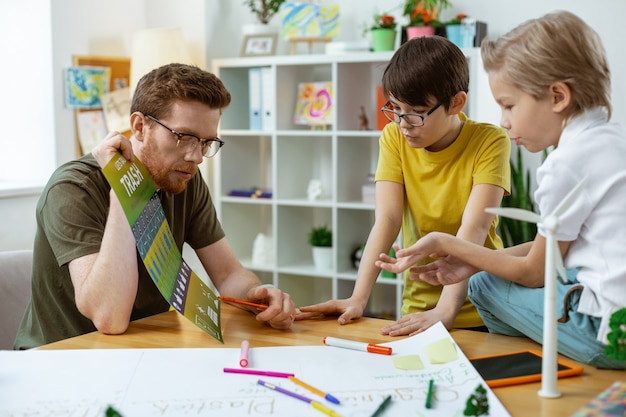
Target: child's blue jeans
{"type": "Point", "coordinates": [514, 310]}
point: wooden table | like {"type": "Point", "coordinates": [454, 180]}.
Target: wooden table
{"type": "Point", "coordinates": [171, 330]}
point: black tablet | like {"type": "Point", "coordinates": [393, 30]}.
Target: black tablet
{"type": "Point", "coordinates": [518, 368]}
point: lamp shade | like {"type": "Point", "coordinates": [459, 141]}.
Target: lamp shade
{"type": "Point", "coordinates": [153, 48]}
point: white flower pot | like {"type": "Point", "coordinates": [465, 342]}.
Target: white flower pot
{"type": "Point", "coordinates": [258, 29]}
{"type": "Point", "coordinates": [323, 257]}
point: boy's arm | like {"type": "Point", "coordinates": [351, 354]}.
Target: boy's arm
{"type": "Point", "coordinates": [389, 205]}
{"type": "Point", "coordinates": [475, 225]}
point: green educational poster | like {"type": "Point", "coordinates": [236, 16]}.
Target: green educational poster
{"type": "Point", "coordinates": [183, 289]}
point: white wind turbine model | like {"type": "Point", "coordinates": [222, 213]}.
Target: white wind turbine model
{"type": "Point", "coordinates": [553, 263]}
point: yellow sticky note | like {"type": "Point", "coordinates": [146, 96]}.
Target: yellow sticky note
{"type": "Point", "coordinates": [441, 351]}
{"type": "Point", "coordinates": [407, 362]}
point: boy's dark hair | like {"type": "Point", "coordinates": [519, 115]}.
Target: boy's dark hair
{"type": "Point", "coordinates": [157, 89]}
{"type": "Point", "coordinates": [425, 71]}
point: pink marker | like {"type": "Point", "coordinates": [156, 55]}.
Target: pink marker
{"type": "Point", "coordinates": [243, 356]}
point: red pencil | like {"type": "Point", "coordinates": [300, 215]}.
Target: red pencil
{"type": "Point", "coordinates": [242, 302]}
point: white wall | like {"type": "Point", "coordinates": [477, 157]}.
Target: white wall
{"type": "Point", "coordinates": [225, 17]}
{"type": "Point", "coordinates": [212, 29]}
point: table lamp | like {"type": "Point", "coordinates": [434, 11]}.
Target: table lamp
{"type": "Point", "coordinates": [153, 48]}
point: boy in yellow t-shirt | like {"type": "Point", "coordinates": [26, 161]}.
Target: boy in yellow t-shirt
{"type": "Point", "coordinates": [437, 171]}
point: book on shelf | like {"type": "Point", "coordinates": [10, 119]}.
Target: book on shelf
{"type": "Point", "coordinates": [250, 192]}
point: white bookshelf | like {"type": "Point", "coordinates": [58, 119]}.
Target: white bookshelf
{"type": "Point", "coordinates": [284, 157]}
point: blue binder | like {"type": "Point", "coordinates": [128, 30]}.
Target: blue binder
{"type": "Point", "coordinates": [255, 90]}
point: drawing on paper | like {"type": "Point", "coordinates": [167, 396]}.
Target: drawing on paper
{"type": "Point", "coordinates": [84, 85]}
{"type": "Point", "coordinates": [314, 103]}
{"type": "Point", "coordinates": [309, 20]}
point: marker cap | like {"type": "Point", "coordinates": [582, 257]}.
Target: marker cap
{"type": "Point", "coordinates": [383, 350]}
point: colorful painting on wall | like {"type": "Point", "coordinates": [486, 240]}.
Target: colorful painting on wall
{"type": "Point", "coordinates": [84, 85]}
{"type": "Point", "coordinates": [309, 20]}
{"type": "Point", "coordinates": [314, 103]}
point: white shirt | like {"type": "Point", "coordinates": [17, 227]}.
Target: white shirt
{"type": "Point", "coordinates": [596, 222]}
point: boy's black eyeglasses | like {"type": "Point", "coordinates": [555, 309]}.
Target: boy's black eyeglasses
{"type": "Point", "coordinates": [188, 142]}
{"type": "Point", "coordinates": [414, 119]}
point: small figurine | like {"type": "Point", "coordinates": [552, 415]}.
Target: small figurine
{"type": "Point", "coordinates": [364, 120]}
{"type": "Point", "coordinates": [315, 189]}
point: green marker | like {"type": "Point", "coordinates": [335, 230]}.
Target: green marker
{"type": "Point", "coordinates": [429, 395]}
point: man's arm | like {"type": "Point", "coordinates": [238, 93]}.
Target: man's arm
{"type": "Point", "coordinates": [105, 283]}
{"type": "Point", "coordinates": [232, 279]}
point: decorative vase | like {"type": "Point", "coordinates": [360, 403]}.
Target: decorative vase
{"type": "Point", "coordinates": [383, 39]}
{"type": "Point", "coordinates": [323, 257]}
{"type": "Point", "coordinates": [419, 31]}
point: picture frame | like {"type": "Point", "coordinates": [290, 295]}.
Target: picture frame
{"type": "Point", "coordinates": [260, 44]}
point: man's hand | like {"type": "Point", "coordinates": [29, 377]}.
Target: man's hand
{"type": "Point", "coordinates": [113, 142]}
{"type": "Point", "coordinates": [281, 310]}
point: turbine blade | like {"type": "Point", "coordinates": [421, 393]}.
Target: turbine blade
{"type": "Point", "coordinates": [515, 213]}
{"type": "Point", "coordinates": [569, 198]}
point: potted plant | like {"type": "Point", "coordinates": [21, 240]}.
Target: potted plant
{"type": "Point", "coordinates": [461, 30]}
{"type": "Point", "coordinates": [264, 10]}
{"type": "Point", "coordinates": [422, 15]}
{"type": "Point", "coordinates": [383, 32]}
{"type": "Point", "coordinates": [321, 239]}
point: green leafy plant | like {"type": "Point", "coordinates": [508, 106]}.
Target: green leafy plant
{"type": "Point", "coordinates": [514, 232]}
{"type": "Point", "coordinates": [321, 236]}
{"type": "Point", "coordinates": [478, 403]}
{"type": "Point", "coordinates": [264, 10]}
{"type": "Point", "coordinates": [384, 21]}
{"type": "Point", "coordinates": [616, 348]}
{"type": "Point", "coordinates": [424, 12]}
{"type": "Point", "coordinates": [457, 20]}
{"type": "Point", "coordinates": [381, 21]}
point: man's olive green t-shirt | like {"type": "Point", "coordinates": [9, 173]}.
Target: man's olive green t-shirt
{"type": "Point", "coordinates": [71, 216]}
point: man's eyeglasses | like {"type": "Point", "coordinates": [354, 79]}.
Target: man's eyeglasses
{"type": "Point", "coordinates": [188, 142]}
{"type": "Point", "coordinates": [414, 119]}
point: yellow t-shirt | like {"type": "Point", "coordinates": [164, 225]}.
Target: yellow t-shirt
{"type": "Point", "coordinates": [437, 186]}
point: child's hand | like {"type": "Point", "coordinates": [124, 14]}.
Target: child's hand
{"type": "Point", "coordinates": [444, 271]}
{"type": "Point", "coordinates": [347, 310]}
{"type": "Point", "coordinates": [418, 322]}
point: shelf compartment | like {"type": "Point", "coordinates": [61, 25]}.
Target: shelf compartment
{"type": "Point", "coordinates": [353, 228]}
{"type": "Point", "coordinates": [288, 78]}
{"type": "Point", "coordinates": [356, 160]}
{"type": "Point", "coordinates": [305, 290]}
{"type": "Point", "coordinates": [357, 88]}
{"type": "Point", "coordinates": [304, 158]}
{"type": "Point", "coordinates": [242, 223]}
{"type": "Point", "coordinates": [246, 162]}
{"type": "Point", "coordinates": [293, 230]}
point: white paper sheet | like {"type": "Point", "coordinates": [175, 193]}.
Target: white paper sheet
{"type": "Point", "coordinates": [191, 382]}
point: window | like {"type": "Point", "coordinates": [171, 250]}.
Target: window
{"type": "Point", "coordinates": [27, 137]}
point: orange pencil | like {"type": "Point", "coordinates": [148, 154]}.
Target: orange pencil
{"type": "Point", "coordinates": [242, 302]}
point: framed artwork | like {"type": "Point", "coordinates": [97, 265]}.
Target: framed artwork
{"type": "Point", "coordinates": [314, 103]}
{"type": "Point", "coordinates": [84, 86]}
{"type": "Point", "coordinates": [262, 44]}
{"type": "Point", "coordinates": [118, 77]}
{"type": "Point", "coordinates": [309, 20]}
